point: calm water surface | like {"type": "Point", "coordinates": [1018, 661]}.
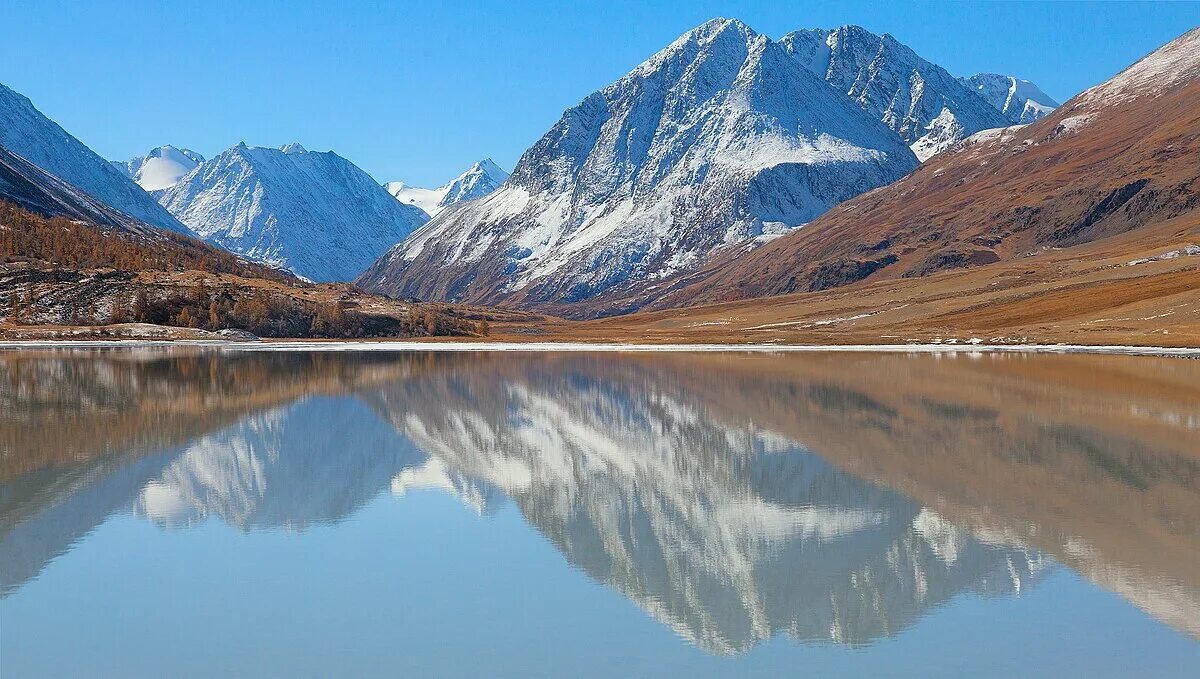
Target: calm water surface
{"type": "Point", "coordinates": [200, 513]}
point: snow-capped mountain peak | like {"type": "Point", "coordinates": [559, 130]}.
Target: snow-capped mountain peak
{"type": "Point", "coordinates": [697, 40]}
{"type": "Point", "coordinates": [316, 214]}
{"type": "Point", "coordinates": [915, 98]}
{"type": "Point", "coordinates": [1020, 101]}
{"type": "Point", "coordinates": [161, 167]}
{"type": "Point", "coordinates": [718, 140]}
{"type": "Point", "coordinates": [25, 131]}
{"type": "Point", "coordinates": [481, 179]}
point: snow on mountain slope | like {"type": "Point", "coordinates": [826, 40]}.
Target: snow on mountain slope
{"type": "Point", "coordinates": [160, 168]}
{"type": "Point", "coordinates": [427, 199]}
{"type": "Point", "coordinates": [34, 189]}
{"type": "Point", "coordinates": [316, 214]}
{"type": "Point", "coordinates": [1020, 101]}
{"type": "Point", "coordinates": [720, 140]}
{"type": "Point", "coordinates": [1119, 157]}
{"type": "Point", "coordinates": [483, 178]}
{"type": "Point", "coordinates": [917, 99]}
{"type": "Point", "coordinates": [28, 133]}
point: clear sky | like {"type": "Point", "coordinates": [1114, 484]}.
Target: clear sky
{"type": "Point", "coordinates": [419, 91]}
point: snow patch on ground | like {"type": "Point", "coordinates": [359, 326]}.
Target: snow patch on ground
{"type": "Point", "coordinates": [1189, 251]}
{"type": "Point", "coordinates": [1072, 124]}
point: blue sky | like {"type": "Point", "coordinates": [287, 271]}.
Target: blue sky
{"type": "Point", "coordinates": [419, 91]}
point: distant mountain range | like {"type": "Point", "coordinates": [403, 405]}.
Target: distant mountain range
{"type": "Point", "coordinates": [1020, 101]}
{"type": "Point", "coordinates": [480, 180]}
{"type": "Point", "coordinates": [315, 214]}
{"type": "Point", "coordinates": [161, 168]}
{"type": "Point", "coordinates": [723, 141]}
{"type": "Point", "coordinates": [638, 183]}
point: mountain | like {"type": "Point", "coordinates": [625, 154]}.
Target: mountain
{"type": "Point", "coordinates": [32, 188]}
{"type": "Point", "coordinates": [483, 178]}
{"type": "Point", "coordinates": [39, 140]}
{"type": "Point", "coordinates": [1117, 166]}
{"type": "Point", "coordinates": [160, 168]}
{"type": "Point", "coordinates": [1019, 100]}
{"type": "Point", "coordinates": [316, 214]}
{"type": "Point", "coordinates": [62, 229]}
{"type": "Point", "coordinates": [917, 99]}
{"type": "Point", "coordinates": [719, 141]}
{"type": "Point", "coordinates": [274, 469]}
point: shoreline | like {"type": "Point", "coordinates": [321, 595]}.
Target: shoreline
{"type": "Point", "coordinates": [603, 347]}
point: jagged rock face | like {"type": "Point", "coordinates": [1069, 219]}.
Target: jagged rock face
{"type": "Point", "coordinates": [1118, 157]}
{"type": "Point", "coordinates": [919, 100]}
{"type": "Point", "coordinates": [1020, 101]}
{"type": "Point", "coordinates": [161, 168]}
{"type": "Point", "coordinates": [315, 214]}
{"type": "Point", "coordinates": [718, 141]}
{"type": "Point", "coordinates": [480, 180]}
{"type": "Point", "coordinates": [25, 132]}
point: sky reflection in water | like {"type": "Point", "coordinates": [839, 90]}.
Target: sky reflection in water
{"type": "Point", "coordinates": [198, 513]}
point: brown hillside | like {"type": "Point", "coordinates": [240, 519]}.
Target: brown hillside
{"type": "Point", "coordinates": [29, 237]}
{"type": "Point", "coordinates": [1139, 288]}
{"type": "Point", "coordinates": [60, 272]}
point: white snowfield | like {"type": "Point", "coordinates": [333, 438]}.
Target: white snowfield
{"type": "Point", "coordinates": [161, 168]}
{"type": "Point", "coordinates": [316, 214]}
{"type": "Point", "coordinates": [481, 179]}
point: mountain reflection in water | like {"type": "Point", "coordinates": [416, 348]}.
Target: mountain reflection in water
{"type": "Point", "coordinates": [831, 498]}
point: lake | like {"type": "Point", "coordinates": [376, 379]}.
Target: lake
{"type": "Point", "coordinates": [198, 512]}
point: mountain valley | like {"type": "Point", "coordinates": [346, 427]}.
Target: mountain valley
{"type": "Point", "coordinates": [830, 186]}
